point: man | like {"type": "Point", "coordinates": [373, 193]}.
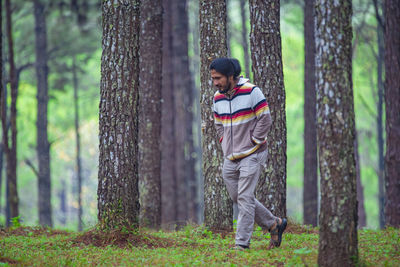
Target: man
{"type": "Point", "coordinates": [242, 120]}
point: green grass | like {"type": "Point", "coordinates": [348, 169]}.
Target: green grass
{"type": "Point", "coordinates": [190, 246]}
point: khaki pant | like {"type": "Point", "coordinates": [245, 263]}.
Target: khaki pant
{"type": "Point", "coordinates": [241, 179]}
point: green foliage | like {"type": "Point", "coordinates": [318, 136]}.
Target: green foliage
{"type": "Point", "coordinates": [15, 221]}
{"type": "Point", "coordinates": [184, 248]}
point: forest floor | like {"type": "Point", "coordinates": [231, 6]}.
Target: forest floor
{"type": "Point", "coordinates": [193, 245]}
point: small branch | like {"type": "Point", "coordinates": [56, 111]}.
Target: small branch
{"type": "Point", "coordinates": [30, 164]}
{"type": "Point", "coordinates": [378, 17]}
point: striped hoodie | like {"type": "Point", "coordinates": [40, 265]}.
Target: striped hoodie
{"type": "Point", "coordinates": [242, 120]}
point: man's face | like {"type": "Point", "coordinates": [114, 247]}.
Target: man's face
{"type": "Point", "coordinates": [221, 82]}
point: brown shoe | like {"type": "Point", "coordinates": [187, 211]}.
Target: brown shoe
{"type": "Point", "coordinates": [276, 233]}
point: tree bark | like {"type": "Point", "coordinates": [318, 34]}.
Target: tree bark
{"type": "Point", "coordinates": [2, 97]}
{"type": "Point", "coordinates": [195, 71]}
{"type": "Point", "coordinates": [168, 182]}
{"type": "Point", "coordinates": [379, 120]}
{"type": "Point", "coordinates": [310, 187]}
{"type": "Point", "coordinates": [186, 179]}
{"type": "Point", "coordinates": [149, 110]}
{"type": "Point", "coordinates": [266, 54]}
{"type": "Point", "coordinates": [392, 100]}
{"type": "Point", "coordinates": [77, 147]}
{"type": "Point", "coordinates": [217, 203]}
{"type": "Point", "coordinates": [11, 149]}
{"type": "Point", "coordinates": [43, 146]}
{"type": "Point", "coordinates": [178, 162]}
{"type": "Point", "coordinates": [118, 193]}
{"type": "Point", "coordinates": [336, 133]}
{"type": "Point", "coordinates": [245, 38]}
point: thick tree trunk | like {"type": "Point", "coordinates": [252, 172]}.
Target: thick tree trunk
{"type": "Point", "coordinates": [77, 147]}
{"type": "Point", "coordinates": [43, 146]}
{"type": "Point", "coordinates": [392, 100]}
{"type": "Point", "coordinates": [245, 38]}
{"type": "Point", "coordinates": [310, 187]}
{"type": "Point", "coordinates": [266, 54]}
{"type": "Point", "coordinates": [118, 193]}
{"type": "Point", "coordinates": [336, 133]}
{"type": "Point", "coordinates": [11, 149]}
{"type": "Point", "coordinates": [149, 110]}
{"type": "Point", "coordinates": [217, 203]}
{"type": "Point", "coordinates": [168, 182]}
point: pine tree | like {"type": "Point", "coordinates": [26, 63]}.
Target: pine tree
{"type": "Point", "coordinates": [336, 134]}
{"type": "Point", "coordinates": [118, 194]}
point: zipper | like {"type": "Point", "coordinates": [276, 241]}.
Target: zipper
{"type": "Point", "coordinates": [230, 111]}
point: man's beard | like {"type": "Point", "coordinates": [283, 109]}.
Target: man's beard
{"type": "Point", "coordinates": [226, 89]}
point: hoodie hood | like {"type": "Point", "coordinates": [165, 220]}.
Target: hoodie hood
{"type": "Point", "coordinates": [242, 81]}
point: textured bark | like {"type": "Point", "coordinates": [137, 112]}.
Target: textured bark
{"type": "Point", "coordinates": [168, 183]}
{"type": "Point", "coordinates": [43, 146]}
{"type": "Point", "coordinates": [266, 54]}
{"type": "Point", "coordinates": [245, 38]}
{"type": "Point", "coordinates": [392, 100]}
{"type": "Point", "coordinates": [11, 149]}
{"type": "Point", "coordinates": [149, 113]}
{"type": "Point", "coordinates": [118, 193]}
{"type": "Point", "coordinates": [217, 204]}
{"type": "Point", "coordinates": [310, 187]}
{"type": "Point", "coordinates": [379, 124]}
{"type": "Point", "coordinates": [77, 147]}
{"type": "Point", "coordinates": [336, 133]}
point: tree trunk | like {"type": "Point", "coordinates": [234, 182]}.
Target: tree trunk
{"type": "Point", "coordinates": [179, 165]}
{"type": "Point", "coordinates": [2, 97]}
{"type": "Point", "coordinates": [186, 179]}
{"type": "Point", "coordinates": [11, 151]}
{"type": "Point", "coordinates": [149, 110]}
{"type": "Point", "coordinates": [168, 183]}
{"type": "Point", "coordinates": [179, 112]}
{"type": "Point", "coordinates": [245, 38]}
{"type": "Point", "coordinates": [63, 203]}
{"type": "Point", "coordinates": [392, 100]}
{"type": "Point", "coordinates": [362, 217]}
{"type": "Point", "coordinates": [118, 192]}
{"type": "Point", "coordinates": [336, 133]}
{"type": "Point", "coordinates": [266, 54]}
{"type": "Point", "coordinates": [43, 146]}
{"type": "Point", "coordinates": [310, 187]}
{"type": "Point", "coordinates": [379, 120]}
{"type": "Point", "coordinates": [78, 147]}
{"type": "Point", "coordinates": [217, 203]}
{"type": "Point", "coordinates": [195, 71]}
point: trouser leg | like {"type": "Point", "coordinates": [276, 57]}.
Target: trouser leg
{"type": "Point", "coordinates": [249, 171]}
{"type": "Point", "coordinates": [263, 216]}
